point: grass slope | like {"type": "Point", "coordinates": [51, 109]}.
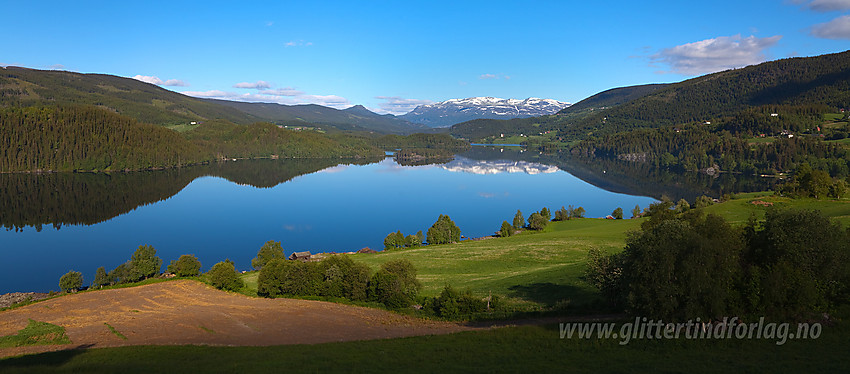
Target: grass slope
{"type": "Point", "coordinates": [514, 349]}
{"type": "Point", "coordinates": [538, 269]}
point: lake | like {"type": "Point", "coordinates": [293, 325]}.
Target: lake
{"type": "Point", "coordinates": [80, 221]}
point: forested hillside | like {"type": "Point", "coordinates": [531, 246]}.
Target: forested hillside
{"type": "Point", "coordinates": [148, 103]}
{"type": "Point", "coordinates": [85, 138]}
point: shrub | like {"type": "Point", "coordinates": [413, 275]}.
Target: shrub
{"type": "Point", "coordinates": [269, 251]}
{"type": "Point", "coordinates": [702, 202]}
{"type": "Point", "coordinates": [506, 230]}
{"type": "Point", "coordinates": [71, 281]}
{"type": "Point", "coordinates": [682, 206]}
{"type": "Point", "coordinates": [343, 277]}
{"type": "Point", "coordinates": [223, 276]}
{"type": "Point", "coordinates": [185, 266]}
{"type": "Point", "coordinates": [537, 221]}
{"type": "Point", "coordinates": [452, 304]}
{"type": "Point", "coordinates": [394, 284]}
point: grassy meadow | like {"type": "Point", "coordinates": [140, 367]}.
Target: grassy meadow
{"type": "Point", "coordinates": [511, 349]}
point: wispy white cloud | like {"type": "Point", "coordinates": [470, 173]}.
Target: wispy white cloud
{"type": "Point", "coordinates": [255, 85]}
{"type": "Point", "coordinates": [160, 82]}
{"type": "Point", "coordinates": [398, 105]}
{"type": "Point", "coordinates": [57, 67]}
{"type": "Point", "coordinates": [286, 91]}
{"type": "Point", "coordinates": [716, 54]}
{"type": "Point", "coordinates": [297, 43]}
{"type": "Point", "coordinates": [838, 28]}
{"type": "Point", "coordinates": [825, 5]}
{"type": "Point", "coordinates": [269, 23]}
{"type": "Point", "coordinates": [488, 76]}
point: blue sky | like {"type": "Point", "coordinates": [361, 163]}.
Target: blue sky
{"type": "Point", "coordinates": [393, 55]}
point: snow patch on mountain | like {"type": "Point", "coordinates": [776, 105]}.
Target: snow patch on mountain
{"type": "Point", "coordinates": [450, 112]}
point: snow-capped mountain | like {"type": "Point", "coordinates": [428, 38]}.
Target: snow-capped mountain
{"type": "Point", "coordinates": [450, 112]}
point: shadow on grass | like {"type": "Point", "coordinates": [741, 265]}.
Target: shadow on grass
{"type": "Point", "coordinates": [54, 359]}
{"type": "Point", "coordinates": [555, 295]}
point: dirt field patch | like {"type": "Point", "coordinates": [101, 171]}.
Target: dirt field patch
{"type": "Point", "coordinates": [189, 312]}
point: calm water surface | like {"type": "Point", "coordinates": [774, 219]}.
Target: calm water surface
{"type": "Point", "coordinates": [336, 209]}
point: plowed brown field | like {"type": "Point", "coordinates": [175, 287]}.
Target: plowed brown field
{"type": "Point", "coordinates": [189, 312]}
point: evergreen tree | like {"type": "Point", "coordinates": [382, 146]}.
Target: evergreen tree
{"type": "Point", "coordinates": [506, 230]}
{"type": "Point", "coordinates": [519, 220]}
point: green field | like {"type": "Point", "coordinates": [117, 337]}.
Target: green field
{"type": "Point", "coordinates": [538, 269]}
{"type": "Point", "coordinates": [512, 349]}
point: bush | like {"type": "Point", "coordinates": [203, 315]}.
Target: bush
{"type": "Point", "coordinates": [506, 230]}
{"type": "Point", "coordinates": [71, 281]}
{"type": "Point", "coordinates": [395, 284]}
{"type": "Point", "coordinates": [335, 276]}
{"type": "Point", "coordinates": [443, 231]}
{"type": "Point", "coordinates": [452, 304]}
{"type": "Point", "coordinates": [703, 201]}
{"type": "Point", "coordinates": [223, 276]}
{"type": "Point", "coordinates": [682, 206]}
{"type": "Point", "coordinates": [537, 221]}
{"type": "Point", "coordinates": [185, 266]}
{"type": "Point", "coordinates": [343, 277]}
{"type": "Point", "coordinates": [269, 251]}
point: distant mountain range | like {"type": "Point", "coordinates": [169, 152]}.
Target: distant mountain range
{"type": "Point", "coordinates": [450, 112]}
